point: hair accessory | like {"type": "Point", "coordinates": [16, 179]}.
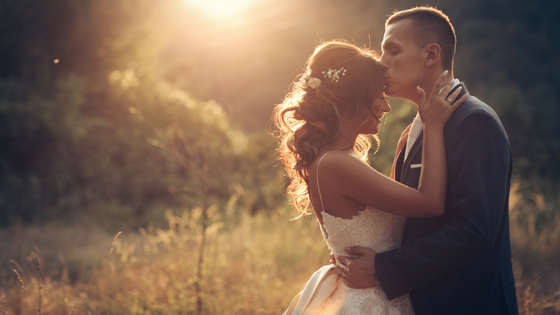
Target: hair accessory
{"type": "Point", "coordinates": [333, 74]}
{"type": "Point", "coordinates": [313, 82]}
{"type": "Point", "coordinates": [308, 81]}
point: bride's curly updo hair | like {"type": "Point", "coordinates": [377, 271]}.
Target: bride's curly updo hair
{"type": "Point", "coordinates": [311, 115]}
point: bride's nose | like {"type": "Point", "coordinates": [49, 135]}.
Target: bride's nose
{"type": "Point", "coordinates": [386, 107]}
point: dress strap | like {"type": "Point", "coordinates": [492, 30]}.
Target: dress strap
{"type": "Point", "coordinates": [318, 186]}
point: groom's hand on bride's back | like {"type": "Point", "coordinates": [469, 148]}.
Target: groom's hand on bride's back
{"type": "Point", "coordinates": [357, 273]}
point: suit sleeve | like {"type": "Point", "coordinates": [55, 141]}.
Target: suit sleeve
{"type": "Point", "coordinates": [479, 166]}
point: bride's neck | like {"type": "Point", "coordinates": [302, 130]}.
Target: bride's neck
{"type": "Point", "coordinates": [342, 142]}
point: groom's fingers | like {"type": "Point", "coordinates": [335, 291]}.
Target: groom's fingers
{"type": "Point", "coordinates": [350, 273]}
{"type": "Point", "coordinates": [355, 251]}
{"type": "Point", "coordinates": [357, 281]}
{"type": "Point", "coordinates": [344, 271]}
{"type": "Point", "coordinates": [345, 278]}
{"type": "Point", "coordinates": [343, 264]}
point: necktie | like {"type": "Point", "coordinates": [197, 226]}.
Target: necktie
{"type": "Point", "coordinates": [400, 145]}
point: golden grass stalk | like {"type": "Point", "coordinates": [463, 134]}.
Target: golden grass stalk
{"type": "Point", "coordinates": [20, 280]}
{"type": "Point", "coordinates": [114, 241]}
{"type": "Point", "coordinates": [39, 277]}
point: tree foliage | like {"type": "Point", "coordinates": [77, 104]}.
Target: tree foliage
{"type": "Point", "coordinates": [89, 135]}
{"type": "Point", "coordinates": [100, 99]}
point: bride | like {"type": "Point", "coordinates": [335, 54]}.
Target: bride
{"type": "Point", "coordinates": [323, 127]}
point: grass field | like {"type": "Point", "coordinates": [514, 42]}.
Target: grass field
{"type": "Point", "coordinates": [253, 265]}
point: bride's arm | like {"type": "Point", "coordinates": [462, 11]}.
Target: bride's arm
{"type": "Point", "coordinates": [358, 181]}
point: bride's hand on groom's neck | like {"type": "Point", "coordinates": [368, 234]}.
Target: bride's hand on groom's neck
{"type": "Point", "coordinates": [357, 273]}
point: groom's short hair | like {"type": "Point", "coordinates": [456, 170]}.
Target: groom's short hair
{"type": "Point", "coordinates": [430, 25]}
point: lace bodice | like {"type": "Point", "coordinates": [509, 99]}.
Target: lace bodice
{"type": "Point", "coordinates": [378, 230]}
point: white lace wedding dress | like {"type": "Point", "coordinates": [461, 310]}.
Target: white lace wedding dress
{"type": "Point", "coordinates": [325, 293]}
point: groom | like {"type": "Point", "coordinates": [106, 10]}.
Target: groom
{"type": "Point", "coordinates": [460, 262]}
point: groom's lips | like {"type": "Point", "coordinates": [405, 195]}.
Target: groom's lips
{"type": "Point", "coordinates": [386, 82]}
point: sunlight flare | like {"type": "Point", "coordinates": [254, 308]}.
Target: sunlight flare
{"type": "Point", "coordinates": [220, 8]}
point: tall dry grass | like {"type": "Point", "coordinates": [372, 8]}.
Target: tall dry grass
{"type": "Point", "coordinates": [535, 239]}
{"type": "Point", "coordinates": [254, 267]}
{"type": "Point", "coordinates": [253, 264]}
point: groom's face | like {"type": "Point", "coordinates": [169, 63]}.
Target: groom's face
{"type": "Point", "coordinates": [403, 60]}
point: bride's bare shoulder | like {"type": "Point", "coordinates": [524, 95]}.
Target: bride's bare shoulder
{"type": "Point", "coordinates": [333, 162]}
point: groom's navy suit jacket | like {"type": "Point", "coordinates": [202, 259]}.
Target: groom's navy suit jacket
{"type": "Point", "coordinates": [460, 262]}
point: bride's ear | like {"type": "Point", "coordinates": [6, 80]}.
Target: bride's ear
{"type": "Point", "coordinates": [432, 53]}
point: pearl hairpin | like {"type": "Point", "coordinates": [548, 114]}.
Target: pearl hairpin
{"type": "Point", "coordinates": [334, 74]}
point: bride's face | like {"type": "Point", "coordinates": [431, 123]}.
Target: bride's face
{"type": "Point", "coordinates": [379, 107]}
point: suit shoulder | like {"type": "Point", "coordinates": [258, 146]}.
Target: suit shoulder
{"type": "Point", "coordinates": [473, 109]}
{"type": "Point", "coordinates": [474, 105]}
{"type": "Point", "coordinates": [474, 116]}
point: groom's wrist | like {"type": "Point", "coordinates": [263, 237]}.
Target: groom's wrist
{"type": "Point", "coordinates": [374, 275]}
{"type": "Point", "coordinates": [375, 278]}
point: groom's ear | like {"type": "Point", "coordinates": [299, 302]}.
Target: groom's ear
{"type": "Point", "coordinates": [432, 53]}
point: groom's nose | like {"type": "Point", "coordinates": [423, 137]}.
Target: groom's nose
{"type": "Point", "coordinates": [384, 62]}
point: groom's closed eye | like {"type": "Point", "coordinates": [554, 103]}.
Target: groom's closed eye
{"type": "Point", "coordinates": [390, 48]}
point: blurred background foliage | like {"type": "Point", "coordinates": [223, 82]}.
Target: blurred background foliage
{"type": "Point", "coordinates": [112, 111]}
{"type": "Point", "coordinates": [89, 88]}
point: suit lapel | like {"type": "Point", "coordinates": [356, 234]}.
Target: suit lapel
{"type": "Point", "coordinates": [398, 166]}
{"type": "Point", "coordinates": [417, 146]}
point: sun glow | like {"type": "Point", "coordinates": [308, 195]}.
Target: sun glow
{"type": "Point", "coordinates": [220, 8]}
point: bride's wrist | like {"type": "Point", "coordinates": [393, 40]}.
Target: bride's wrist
{"type": "Point", "coordinates": [434, 127]}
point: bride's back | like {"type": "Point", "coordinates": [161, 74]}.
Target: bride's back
{"type": "Point", "coordinates": [330, 199]}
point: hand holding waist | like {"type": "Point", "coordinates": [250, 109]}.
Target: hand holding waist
{"type": "Point", "coordinates": [358, 272]}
